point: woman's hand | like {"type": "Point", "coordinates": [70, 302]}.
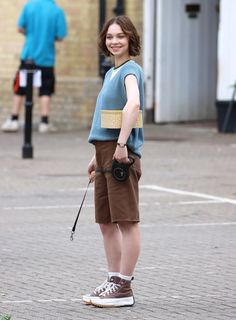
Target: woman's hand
{"type": "Point", "coordinates": [121, 154]}
{"type": "Point", "coordinates": [91, 169]}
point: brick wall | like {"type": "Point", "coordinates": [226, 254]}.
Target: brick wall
{"type": "Point", "coordinates": [76, 62]}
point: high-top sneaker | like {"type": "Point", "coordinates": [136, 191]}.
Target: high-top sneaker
{"type": "Point", "coordinates": [116, 295]}
{"type": "Point", "coordinates": [100, 289]}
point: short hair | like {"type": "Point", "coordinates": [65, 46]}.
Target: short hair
{"type": "Point", "coordinates": [129, 30]}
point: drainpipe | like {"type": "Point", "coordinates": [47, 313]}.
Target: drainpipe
{"type": "Point", "coordinates": [102, 18]}
{"type": "Point", "coordinates": [149, 18]}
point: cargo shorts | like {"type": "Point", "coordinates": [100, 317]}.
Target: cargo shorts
{"type": "Point", "coordinates": [115, 201]}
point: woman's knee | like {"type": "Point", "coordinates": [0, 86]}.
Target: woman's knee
{"type": "Point", "coordinates": [128, 226]}
{"type": "Point", "coordinates": [108, 228]}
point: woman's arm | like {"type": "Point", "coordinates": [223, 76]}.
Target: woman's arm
{"type": "Point", "coordinates": [129, 117]}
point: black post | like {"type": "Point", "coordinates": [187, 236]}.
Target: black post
{"type": "Point", "coordinates": [27, 149]}
{"type": "Point", "coordinates": [229, 110]}
{"type": "Point", "coordinates": [102, 17]}
{"type": "Point", "coordinates": [104, 62]}
{"type": "Point", "coordinates": [120, 8]}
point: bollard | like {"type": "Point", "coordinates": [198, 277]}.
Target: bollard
{"type": "Point", "coordinates": [27, 149]}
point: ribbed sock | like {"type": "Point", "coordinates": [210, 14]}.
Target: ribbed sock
{"type": "Point", "coordinates": [113, 274]}
{"type": "Point", "coordinates": [127, 278]}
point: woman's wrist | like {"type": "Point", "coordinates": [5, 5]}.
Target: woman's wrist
{"type": "Point", "coordinates": [121, 144]}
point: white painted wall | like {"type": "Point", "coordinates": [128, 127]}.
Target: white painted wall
{"type": "Point", "coordinates": [226, 50]}
{"type": "Point", "coordinates": [186, 60]}
{"type": "Point", "coordinates": [148, 51]}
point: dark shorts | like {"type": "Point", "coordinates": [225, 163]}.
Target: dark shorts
{"type": "Point", "coordinates": [115, 201]}
{"type": "Point", "coordinates": [48, 81]}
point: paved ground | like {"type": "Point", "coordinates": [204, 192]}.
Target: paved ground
{"type": "Point", "coordinates": [187, 267]}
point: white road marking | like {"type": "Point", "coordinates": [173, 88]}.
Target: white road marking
{"type": "Point", "coordinates": [16, 301]}
{"type": "Point", "coordinates": [39, 300]}
{"type": "Point", "coordinates": [49, 207]}
{"type": "Point", "coordinates": [188, 193]}
{"type": "Point", "coordinates": [204, 224]}
{"type": "Point", "coordinates": [208, 224]}
{"type": "Point", "coordinates": [211, 199]}
{"type": "Point", "coordinates": [200, 202]}
{"type": "Point", "coordinates": [142, 204]}
{"type": "Point", "coordinates": [220, 295]}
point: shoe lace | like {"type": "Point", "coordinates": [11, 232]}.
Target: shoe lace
{"type": "Point", "coordinates": [102, 287]}
{"type": "Point", "coordinates": [111, 288]}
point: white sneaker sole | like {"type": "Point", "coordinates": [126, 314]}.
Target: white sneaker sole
{"type": "Point", "coordinates": [111, 303]}
{"type": "Point", "coordinates": [86, 300]}
{"type": "Point", "coordinates": [10, 129]}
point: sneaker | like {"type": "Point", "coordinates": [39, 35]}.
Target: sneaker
{"type": "Point", "coordinates": [46, 127]}
{"type": "Point", "coordinates": [116, 295]}
{"type": "Point", "coordinates": [100, 289]}
{"type": "Point", "coordinates": [10, 125]}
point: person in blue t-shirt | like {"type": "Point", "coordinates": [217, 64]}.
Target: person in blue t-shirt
{"type": "Point", "coordinates": [42, 23]}
{"type": "Point", "coordinates": [117, 149]}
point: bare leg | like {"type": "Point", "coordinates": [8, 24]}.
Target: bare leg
{"type": "Point", "coordinates": [112, 245]}
{"type": "Point", "coordinates": [17, 104]}
{"type": "Point", "coordinates": [45, 102]}
{"type": "Point", "coordinates": [130, 247]}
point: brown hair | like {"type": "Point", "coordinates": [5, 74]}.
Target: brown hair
{"type": "Point", "coordinates": [129, 30]}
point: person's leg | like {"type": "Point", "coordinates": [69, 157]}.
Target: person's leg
{"type": "Point", "coordinates": [17, 104]}
{"type": "Point", "coordinates": [12, 123]}
{"type": "Point", "coordinates": [44, 126]}
{"type": "Point", "coordinates": [130, 247]}
{"type": "Point", "coordinates": [45, 92]}
{"type": "Point", "coordinates": [120, 294]}
{"type": "Point", "coordinates": [45, 102]}
{"type": "Point", "coordinates": [19, 93]}
{"type": "Point", "coordinates": [112, 245]}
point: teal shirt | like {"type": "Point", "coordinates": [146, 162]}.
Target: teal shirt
{"type": "Point", "coordinates": [43, 22]}
{"type": "Point", "coordinates": [113, 97]}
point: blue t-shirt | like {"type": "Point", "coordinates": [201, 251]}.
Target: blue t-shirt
{"type": "Point", "coordinates": [113, 97]}
{"type": "Point", "coordinates": [43, 22]}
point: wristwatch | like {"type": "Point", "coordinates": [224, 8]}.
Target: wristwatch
{"type": "Point", "coordinates": [121, 145]}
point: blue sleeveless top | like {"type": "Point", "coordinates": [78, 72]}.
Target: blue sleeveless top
{"type": "Point", "coordinates": [113, 97]}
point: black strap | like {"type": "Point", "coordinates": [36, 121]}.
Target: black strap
{"type": "Point", "coordinates": [103, 170]}
{"type": "Point", "coordinates": [74, 226]}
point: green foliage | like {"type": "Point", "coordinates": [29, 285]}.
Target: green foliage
{"type": "Point", "coordinates": [5, 317]}
{"type": "Point", "coordinates": [232, 86]}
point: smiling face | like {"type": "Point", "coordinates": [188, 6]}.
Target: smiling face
{"type": "Point", "coordinates": [117, 42]}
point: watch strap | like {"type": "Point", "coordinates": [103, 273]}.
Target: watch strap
{"type": "Point", "coordinates": [121, 145]}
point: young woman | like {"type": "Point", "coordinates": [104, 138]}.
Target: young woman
{"type": "Point", "coordinates": [116, 202]}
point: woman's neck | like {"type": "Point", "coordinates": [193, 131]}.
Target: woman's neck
{"type": "Point", "coordinates": [121, 60]}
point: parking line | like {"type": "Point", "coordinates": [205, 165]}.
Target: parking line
{"type": "Point", "coordinates": [219, 295]}
{"type": "Point", "coordinates": [210, 199]}
{"type": "Point", "coordinates": [188, 193]}
{"type": "Point", "coordinates": [197, 224]}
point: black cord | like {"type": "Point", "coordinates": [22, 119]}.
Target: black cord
{"type": "Point", "coordinates": [75, 223]}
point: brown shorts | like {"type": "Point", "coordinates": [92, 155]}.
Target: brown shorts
{"type": "Point", "coordinates": [115, 201]}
